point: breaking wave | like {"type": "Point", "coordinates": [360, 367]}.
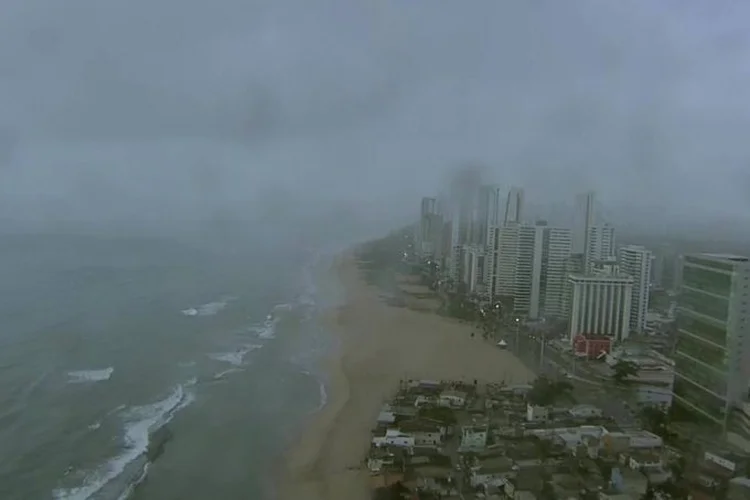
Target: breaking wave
{"type": "Point", "coordinates": [235, 358]}
{"type": "Point", "coordinates": [145, 435]}
{"type": "Point", "coordinates": [210, 308]}
{"type": "Point", "coordinates": [84, 376]}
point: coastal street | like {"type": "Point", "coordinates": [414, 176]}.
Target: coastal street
{"type": "Point", "coordinates": [589, 387]}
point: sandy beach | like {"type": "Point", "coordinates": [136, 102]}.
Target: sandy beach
{"type": "Point", "coordinates": [379, 345]}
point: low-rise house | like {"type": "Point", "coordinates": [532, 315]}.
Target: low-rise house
{"type": "Point", "coordinates": [473, 437]}
{"type": "Point", "coordinates": [537, 413]}
{"type": "Point", "coordinates": [393, 437]}
{"type": "Point", "coordinates": [618, 442]}
{"type": "Point", "coordinates": [491, 471]}
{"type": "Point", "coordinates": [435, 479]}
{"type": "Point", "coordinates": [386, 416]}
{"type": "Point", "coordinates": [639, 460]}
{"type": "Point", "coordinates": [452, 399]}
{"type": "Point", "coordinates": [379, 459]}
{"type": "Point", "coordinates": [425, 400]}
{"type": "Point", "coordinates": [426, 433]}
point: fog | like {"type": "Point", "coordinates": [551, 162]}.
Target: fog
{"type": "Point", "coordinates": [160, 112]}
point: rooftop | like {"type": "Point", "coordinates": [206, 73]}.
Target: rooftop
{"type": "Point", "coordinates": [724, 256]}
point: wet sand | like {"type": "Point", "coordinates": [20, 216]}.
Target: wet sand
{"type": "Point", "coordinates": [379, 344]}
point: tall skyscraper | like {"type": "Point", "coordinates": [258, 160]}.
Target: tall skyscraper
{"type": "Point", "coordinates": [429, 229]}
{"type": "Point", "coordinates": [635, 261]}
{"type": "Point", "coordinates": [712, 355]}
{"type": "Point", "coordinates": [529, 266]}
{"type": "Point", "coordinates": [584, 218]}
{"type": "Point", "coordinates": [513, 206]}
{"type": "Point", "coordinates": [601, 304]}
{"type": "Point", "coordinates": [556, 248]}
{"type": "Point", "coordinates": [488, 213]}
{"type": "Point", "coordinates": [600, 245]}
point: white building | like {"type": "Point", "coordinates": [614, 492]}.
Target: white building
{"type": "Point", "coordinates": [395, 437]}
{"type": "Point", "coordinates": [635, 261]}
{"type": "Point", "coordinates": [555, 248]}
{"type": "Point", "coordinates": [489, 212]}
{"type": "Point", "coordinates": [529, 266]}
{"type": "Point", "coordinates": [537, 413]}
{"type": "Point", "coordinates": [601, 305]}
{"type": "Point", "coordinates": [513, 206]}
{"type": "Point", "coordinates": [472, 267]}
{"type": "Point", "coordinates": [712, 355]}
{"type": "Point", "coordinates": [600, 245]}
{"type": "Point", "coordinates": [452, 399]}
{"type": "Point", "coordinates": [473, 437]}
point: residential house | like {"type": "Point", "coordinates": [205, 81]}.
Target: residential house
{"type": "Point", "coordinates": [452, 399]}
{"type": "Point", "coordinates": [492, 471]}
{"type": "Point", "coordinates": [537, 413]}
{"type": "Point", "coordinates": [425, 432]}
{"type": "Point", "coordinates": [392, 437]}
{"type": "Point", "coordinates": [643, 459]}
{"type": "Point", "coordinates": [473, 437]}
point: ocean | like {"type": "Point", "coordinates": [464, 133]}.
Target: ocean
{"type": "Point", "coordinates": [148, 368]}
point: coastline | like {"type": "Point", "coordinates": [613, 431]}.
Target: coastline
{"type": "Point", "coordinates": [377, 345]}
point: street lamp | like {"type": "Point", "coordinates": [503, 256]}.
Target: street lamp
{"type": "Point", "coordinates": [518, 347]}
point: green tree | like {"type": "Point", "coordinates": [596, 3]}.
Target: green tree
{"type": "Point", "coordinates": [545, 391]}
{"type": "Point", "coordinates": [624, 369]}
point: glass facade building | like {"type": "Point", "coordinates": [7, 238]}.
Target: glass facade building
{"type": "Point", "coordinates": [711, 354]}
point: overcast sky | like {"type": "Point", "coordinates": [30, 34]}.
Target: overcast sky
{"type": "Point", "coordinates": [154, 109]}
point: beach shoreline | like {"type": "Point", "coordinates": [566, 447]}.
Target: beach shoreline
{"type": "Point", "coordinates": [377, 344]}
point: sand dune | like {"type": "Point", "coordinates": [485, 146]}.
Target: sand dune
{"type": "Point", "coordinates": [380, 344]}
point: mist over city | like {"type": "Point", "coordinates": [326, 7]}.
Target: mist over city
{"type": "Point", "coordinates": [166, 111]}
{"type": "Point", "coordinates": [289, 249]}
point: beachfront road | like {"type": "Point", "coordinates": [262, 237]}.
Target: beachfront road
{"type": "Point", "coordinates": [589, 386]}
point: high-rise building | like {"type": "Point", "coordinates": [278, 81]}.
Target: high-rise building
{"type": "Point", "coordinates": [584, 218]}
{"type": "Point", "coordinates": [472, 268]}
{"type": "Point", "coordinates": [556, 248]}
{"type": "Point", "coordinates": [635, 261]}
{"type": "Point", "coordinates": [573, 265]}
{"type": "Point", "coordinates": [513, 206]}
{"type": "Point", "coordinates": [712, 354]}
{"type": "Point", "coordinates": [529, 266]}
{"type": "Point", "coordinates": [488, 213]}
{"type": "Point", "coordinates": [429, 230]}
{"type": "Point", "coordinates": [600, 245]}
{"type": "Point", "coordinates": [601, 304]}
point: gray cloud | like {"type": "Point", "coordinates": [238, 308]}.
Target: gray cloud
{"type": "Point", "coordinates": [166, 109]}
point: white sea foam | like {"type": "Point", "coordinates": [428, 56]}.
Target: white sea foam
{"type": "Point", "coordinates": [268, 329]}
{"type": "Point", "coordinates": [210, 308]}
{"type": "Point", "coordinates": [237, 357]}
{"type": "Point", "coordinates": [140, 422]}
{"type": "Point", "coordinates": [224, 373]}
{"type": "Point", "coordinates": [95, 425]}
{"type": "Point", "coordinates": [84, 376]}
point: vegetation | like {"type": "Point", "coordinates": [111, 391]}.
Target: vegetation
{"type": "Point", "coordinates": [623, 370]}
{"type": "Point", "coordinates": [546, 392]}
